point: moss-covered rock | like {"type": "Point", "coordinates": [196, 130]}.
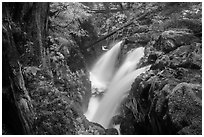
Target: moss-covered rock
{"type": "Point", "coordinates": [167, 99]}
{"type": "Point", "coordinates": [172, 39]}
{"type": "Point", "coordinates": [111, 131]}
{"type": "Point", "coordinates": [185, 108]}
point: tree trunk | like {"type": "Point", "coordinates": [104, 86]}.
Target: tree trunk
{"type": "Point", "coordinates": [21, 23]}
{"type": "Point", "coordinates": [36, 20]}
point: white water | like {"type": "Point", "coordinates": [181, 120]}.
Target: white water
{"type": "Point", "coordinates": [116, 84]}
{"type": "Point", "coordinates": [104, 68]}
{"type": "Point", "coordinates": [93, 105]}
{"type": "Point", "coordinates": [113, 97]}
{"type": "Point", "coordinates": [129, 64]}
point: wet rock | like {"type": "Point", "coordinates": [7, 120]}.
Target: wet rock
{"type": "Point", "coordinates": [156, 106]}
{"type": "Point", "coordinates": [116, 119]}
{"type": "Point", "coordinates": [95, 128]}
{"type": "Point", "coordinates": [152, 58]}
{"type": "Point", "coordinates": [188, 56]}
{"type": "Point", "coordinates": [111, 131]}
{"type": "Point", "coordinates": [127, 127]}
{"type": "Point", "coordinates": [185, 108]}
{"type": "Point", "coordinates": [167, 99]}
{"type": "Point", "coordinates": [172, 39]}
{"type": "Point", "coordinates": [140, 38]}
{"type": "Point", "coordinates": [158, 65]}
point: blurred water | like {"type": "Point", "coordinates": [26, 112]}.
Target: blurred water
{"type": "Point", "coordinates": [114, 96]}
{"type": "Point", "coordinates": [104, 68]}
{"type": "Point", "coordinates": [116, 84]}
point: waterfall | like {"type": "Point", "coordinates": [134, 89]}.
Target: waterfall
{"type": "Point", "coordinates": [113, 97]}
{"type": "Point", "coordinates": [93, 105]}
{"type": "Point", "coordinates": [104, 68]}
{"type": "Point", "coordinates": [129, 64]}
{"type": "Point", "coordinates": [117, 84]}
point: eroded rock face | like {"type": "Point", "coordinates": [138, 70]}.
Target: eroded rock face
{"type": "Point", "coordinates": [168, 98]}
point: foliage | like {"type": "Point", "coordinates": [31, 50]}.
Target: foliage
{"type": "Point", "coordinates": [65, 93]}
{"type": "Point", "coordinates": [156, 21]}
{"type": "Point", "coordinates": [66, 18]}
{"type": "Point", "coordinates": [57, 105]}
{"type": "Point", "coordinates": [58, 97]}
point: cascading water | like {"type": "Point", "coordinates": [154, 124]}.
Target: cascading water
{"type": "Point", "coordinates": [113, 97]}
{"type": "Point", "coordinates": [104, 68]}
{"type": "Point", "coordinates": [100, 76]}
{"type": "Point", "coordinates": [129, 64]}
{"type": "Point", "coordinates": [102, 110]}
{"type": "Point", "coordinates": [93, 105]}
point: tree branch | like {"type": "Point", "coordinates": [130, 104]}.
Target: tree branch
{"type": "Point", "coordinates": [126, 25]}
{"type": "Point", "coordinates": [142, 17]}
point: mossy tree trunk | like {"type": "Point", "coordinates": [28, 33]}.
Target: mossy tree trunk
{"type": "Point", "coordinates": [22, 23]}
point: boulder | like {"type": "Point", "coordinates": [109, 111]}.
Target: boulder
{"type": "Point", "coordinates": [167, 99]}
{"type": "Point", "coordinates": [185, 108]}
{"type": "Point", "coordinates": [171, 39]}
{"type": "Point", "coordinates": [111, 131]}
